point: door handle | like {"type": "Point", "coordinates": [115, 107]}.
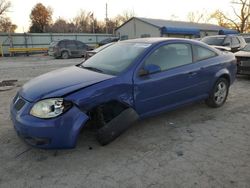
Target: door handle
{"type": "Point", "coordinates": [192, 73]}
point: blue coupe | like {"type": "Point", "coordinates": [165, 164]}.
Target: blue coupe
{"type": "Point", "coordinates": [127, 81]}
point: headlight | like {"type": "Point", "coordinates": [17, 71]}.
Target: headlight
{"type": "Point", "coordinates": [50, 108]}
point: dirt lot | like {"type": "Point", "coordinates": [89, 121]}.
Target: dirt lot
{"type": "Point", "coordinates": [194, 146]}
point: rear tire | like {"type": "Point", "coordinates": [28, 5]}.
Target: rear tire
{"type": "Point", "coordinates": [219, 93]}
{"type": "Point", "coordinates": [65, 55]}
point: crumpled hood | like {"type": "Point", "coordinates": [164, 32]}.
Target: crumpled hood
{"type": "Point", "coordinates": [223, 48]}
{"type": "Point", "coordinates": [60, 82]}
{"type": "Point", "coordinates": [242, 54]}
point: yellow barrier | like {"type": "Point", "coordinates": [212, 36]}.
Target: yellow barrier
{"type": "Point", "coordinates": [12, 50]}
{"type": "Point", "coordinates": [1, 50]}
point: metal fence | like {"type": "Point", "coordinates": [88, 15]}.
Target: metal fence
{"type": "Point", "coordinates": [42, 40]}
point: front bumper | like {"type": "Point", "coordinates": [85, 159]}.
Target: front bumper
{"type": "Point", "coordinates": [243, 67]}
{"type": "Point", "coordinates": [55, 133]}
{"type": "Point", "coordinates": [54, 54]}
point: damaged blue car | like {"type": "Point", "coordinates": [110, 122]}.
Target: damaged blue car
{"type": "Point", "coordinates": [127, 81]}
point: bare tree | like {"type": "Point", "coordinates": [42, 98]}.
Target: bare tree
{"type": "Point", "coordinates": [62, 26]}
{"type": "Point", "coordinates": [7, 26]}
{"type": "Point", "coordinates": [5, 23]}
{"type": "Point", "coordinates": [83, 21]}
{"type": "Point", "coordinates": [99, 26]}
{"type": "Point", "coordinates": [244, 14]}
{"type": "Point", "coordinates": [198, 17]}
{"type": "Point", "coordinates": [122, 18]}
{"type": "Point", "coordinates": [4, 7]}
{"type": "Point", "coordinates": [195, 17]}
{"type": "Point", "coordinates": [221, 20]}
{"type": "Point", "coordinates": [240, 19]}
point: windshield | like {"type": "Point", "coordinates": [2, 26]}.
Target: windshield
{"type": "Point", "coordinates": [116, 58]}
{"type": "Point", "coordinates": [53, 44]}
{"type": "Point", "coordinates": [246, 48]}
{"type": "Point", "coordinates": [102, 47]}
{"type": "Point", "coordinates": [216, 41]}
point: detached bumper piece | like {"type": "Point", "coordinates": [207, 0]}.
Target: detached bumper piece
{"type": "Point", "coordinates": [117, 126]}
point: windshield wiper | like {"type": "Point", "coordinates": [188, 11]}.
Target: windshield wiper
{"type": "Point", "coordinates": [92, 68]}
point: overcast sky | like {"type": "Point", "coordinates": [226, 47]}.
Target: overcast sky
{"type": "Point", "coordinates": [163, 9]}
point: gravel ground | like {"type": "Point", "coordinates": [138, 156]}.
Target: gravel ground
{"type": "Point", "coordinates": [194, 146]}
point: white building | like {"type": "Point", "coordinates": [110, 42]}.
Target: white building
{"type": "Point", "coordinates": [138, 27]}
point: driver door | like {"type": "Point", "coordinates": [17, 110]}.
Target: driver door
{"type": "Point", "coordinates": [175, 84]}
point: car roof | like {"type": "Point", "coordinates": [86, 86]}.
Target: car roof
{"type": "Point", "coordinates": [68, 40]}
{"type": "Point", "coordinates": [152, 40]}
{"type": "Point", "coordinates": [157, 40]}
{"type": "Point", "coordinates": [223, 35]}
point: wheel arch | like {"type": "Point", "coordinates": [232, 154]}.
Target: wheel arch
{"type": "Point", "coordinates": [224, 73]}
{"type": "Point", "coordinates": [227, 77]}
{"type": "Point", "coordinates": [65, 50]}
{"type": "Point", "coordinates": [109, 109]}
{"type": "Point", "coordinates": [111, 103]}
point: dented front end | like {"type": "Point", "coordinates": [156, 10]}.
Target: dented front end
{"type": "Point", "coordinates": [63, 131]}
{"type": "Point", "coordinates": [54, 133]}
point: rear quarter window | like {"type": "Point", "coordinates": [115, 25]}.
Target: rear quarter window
{"type": "Point", "coordinates": [71, 44]}
{"type": "Point", "coordinates": [216, 41]}
{"type": "Point", "coordinates": [202, 53]}
{"type": "Point", "coordinates": [81, 45]}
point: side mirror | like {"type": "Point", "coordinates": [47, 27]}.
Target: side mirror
{"type": "Point", "coordinates": [149, 69]}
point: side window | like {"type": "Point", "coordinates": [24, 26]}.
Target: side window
{"type": "Point", "coordinates": [124, 37]}
{"type": "Point", "coordinates": [80, 45]}
{"type": "Point", "coordinates": [145, 35]}
{"type": "Point", "coordinates": [62, 44]}
{"type": "Point", "coordinates": [227, 41]}
{"type": "Point", "coordinates": [247, 40]}
{"type": "Point", "coordinates": [171, 56]}
{"type": "Point", "coordinates": [201, 53]}
{"type": "Point", "coordinates": [235, 41]}
{"type": "Point", "coordinates": [71, 44]}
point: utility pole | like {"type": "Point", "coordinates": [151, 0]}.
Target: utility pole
{"type": "Point", "coordinates": [93, 22]}
{"type": "Point", "coordinates": [106, 18]}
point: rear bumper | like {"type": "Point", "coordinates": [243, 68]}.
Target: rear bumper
{"type": "Point", "coordinates": [56, 133]}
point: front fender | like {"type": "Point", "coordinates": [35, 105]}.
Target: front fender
{"type": "Point", "coordinates": [103, 92]}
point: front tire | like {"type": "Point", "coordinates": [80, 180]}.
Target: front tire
{"type": "Point", "coordinates": [65, 55]}
{"type": "Point", "coordinates": [219, 93]}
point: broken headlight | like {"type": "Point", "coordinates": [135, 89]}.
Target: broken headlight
{"type": "Point", "coordinates": [50, 108]}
